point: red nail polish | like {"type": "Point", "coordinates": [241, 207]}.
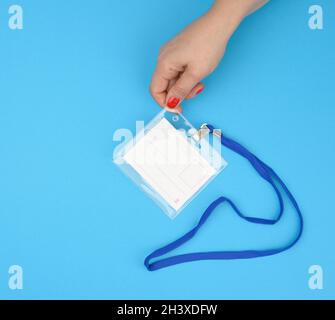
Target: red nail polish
{"type": "Point", "coordinates": [200, 90]}
{"type": "Point", "coordinates": [173, 102]}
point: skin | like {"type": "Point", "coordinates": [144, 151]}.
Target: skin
{"type": "Point", "coordinates": [196, 51]}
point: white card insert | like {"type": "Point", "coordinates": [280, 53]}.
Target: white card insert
{"type": "Point", "coordinates": [170, 164]}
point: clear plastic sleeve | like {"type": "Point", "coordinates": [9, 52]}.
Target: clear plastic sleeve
{"type": "Point", "coordinates": [170, 161]}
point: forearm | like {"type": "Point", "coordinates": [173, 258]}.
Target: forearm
{"type": "Point", "coordinates": [239, 8]}
{"type": "Point", "coordinates": [228, 14]}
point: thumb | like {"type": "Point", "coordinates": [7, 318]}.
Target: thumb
{"type": "Point", "coordinates": [181, 88]}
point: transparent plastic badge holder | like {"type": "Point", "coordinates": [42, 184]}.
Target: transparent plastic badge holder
{"type": "Point", "coordinates": [170, 161]}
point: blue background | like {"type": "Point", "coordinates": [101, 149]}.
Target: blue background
{"type": "Point", "coordinates": [79, 71]}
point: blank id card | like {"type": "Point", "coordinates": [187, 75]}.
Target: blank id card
{"type": "Point", "coordinates": [171, 165]}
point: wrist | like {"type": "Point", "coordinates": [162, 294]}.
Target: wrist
{"type": "Point", "coordinates": [227, 16]}
{"type": "Point", "coordinates": [230, 13]}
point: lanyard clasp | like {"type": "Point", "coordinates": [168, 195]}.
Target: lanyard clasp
{"type": "Point", "coordinates": [205, 130]}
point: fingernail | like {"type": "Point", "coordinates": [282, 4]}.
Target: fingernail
{"type": "Point", "coordinates": [173, 102]}
{"type": "Point", "coordinates": [200, 90]}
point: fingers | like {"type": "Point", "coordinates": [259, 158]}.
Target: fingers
{"type": "Point", "coordinates": [161, 82]}
{"type": "Point", "coordinates": [171, 85]}
{"type": "Point", "coordinates": [177, 109]}
{"type": "Point", "coordinates": [182, 88]}
{"type": "Point", "coordinates": [196, 90]}
{"type": "Point", "coordinates": [158, 88]}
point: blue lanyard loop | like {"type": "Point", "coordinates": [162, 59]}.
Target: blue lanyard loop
{"type": "Point", "coordinates": [268, 174]}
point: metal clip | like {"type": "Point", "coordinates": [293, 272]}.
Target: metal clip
{"type": "Point", "coordinates": [204, 131]}
{"type": "Point", "coordinates": [217, 133]}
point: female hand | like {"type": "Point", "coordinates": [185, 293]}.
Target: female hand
{"type": "Point", "coordinates": [195, 53]}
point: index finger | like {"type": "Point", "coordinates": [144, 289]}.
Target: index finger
{"type": "Point", "coordinates": [160, 82]}
{"type": "Point", "coordinates": [158, 87]}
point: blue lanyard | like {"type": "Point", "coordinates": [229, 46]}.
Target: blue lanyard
{"type": "Point", "coordinates": [268, 174]}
